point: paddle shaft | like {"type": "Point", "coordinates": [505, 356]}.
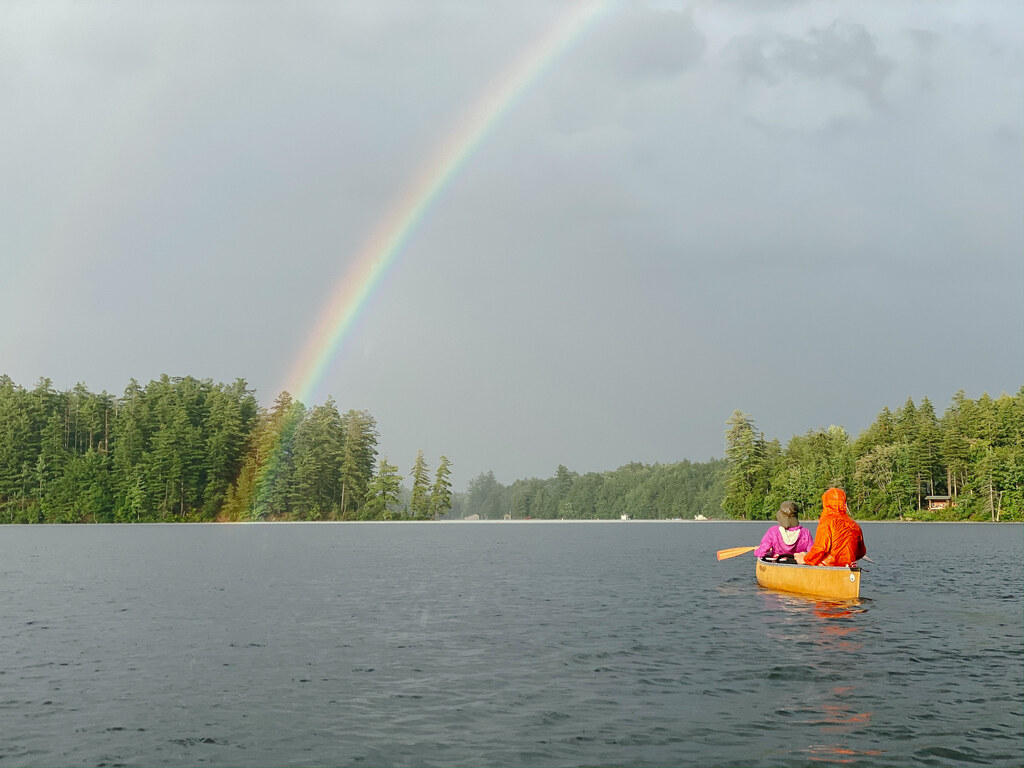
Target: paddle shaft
{"type": "Point", "coordinates": [725, 554]}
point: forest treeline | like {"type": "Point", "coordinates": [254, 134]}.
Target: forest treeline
{"type": "Point", "coordinates": [973, 454]}
{"type": "Point", "coordinates": [184, 449]}
{"type": "Point", "coordinates": [642, 491]}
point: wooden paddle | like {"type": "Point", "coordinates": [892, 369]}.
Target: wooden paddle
{"type": "Point", "coordinates": [725, 554]}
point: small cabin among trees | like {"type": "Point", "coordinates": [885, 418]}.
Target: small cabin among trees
{"type": "Point", "coordinates": [938, 502]}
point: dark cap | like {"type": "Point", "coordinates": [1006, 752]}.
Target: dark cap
{"type": "Point", "coordinates": [787, 514]}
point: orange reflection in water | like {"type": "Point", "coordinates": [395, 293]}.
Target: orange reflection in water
{"type": "Point", "coordinates": [833, 624]}
{"type": "Point", "coordinates": [834, 610]}
{"type": "Point", "coordinates": [807, 609]}
{"type": "Point", "coordinates": [838, 717]}
{"type": "Point", "coordinates": [834, 631]}
{"type": "Point", "coordinates": [834, 754]}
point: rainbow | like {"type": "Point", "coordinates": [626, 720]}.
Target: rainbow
{"type": "Point", "coordinates": [356, 287]}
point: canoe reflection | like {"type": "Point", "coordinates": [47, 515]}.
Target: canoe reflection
{"type": "Point", "coordinates": [836, 718]}
{"type": "Point", "coordinates": [833, 712]}
{"type": "Point", "coordinates": [825, 608]}
{"type": "Point", "coordinates": [824, 620]}
{"type": "Point", "coordinates": [828, 753]}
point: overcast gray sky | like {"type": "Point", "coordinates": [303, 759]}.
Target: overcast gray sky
{"type": "Point", "coordinates": [804, 210]}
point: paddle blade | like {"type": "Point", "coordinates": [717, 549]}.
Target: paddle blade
{"type": "Point", "coordinates": [725, 554]}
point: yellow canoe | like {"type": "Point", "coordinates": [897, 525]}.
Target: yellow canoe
{"type": "Point", "coordinates": [820, 580]}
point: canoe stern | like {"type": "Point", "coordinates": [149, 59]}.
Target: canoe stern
{"type": "Point", "coordinates": [819, 580]}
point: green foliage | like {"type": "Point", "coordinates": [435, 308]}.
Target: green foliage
{"type": "Point", "coordinates": [189, 449]}
{"type": "Point", "coordinates": [358, 456]}
{"type": "Point", "coordinates": [973, 454]}
{"type": "Point", "coordinates": [319, 445]}
{"type": "Point", "coordinates": [383, 493]}
{"type": "Point", "coordinates": [274, 488]}
{"type": "Point", "coordinates": [746, 481]}
{"type": "Point", "coordinates": [440, 502]}
{"type": "Point", "coordinates": [641, 491]}
{"type": "Point", "coordinates": [420, 503]}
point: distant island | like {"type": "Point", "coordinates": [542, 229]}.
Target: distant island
{"type": "Point", "coordinates": [190, 450]}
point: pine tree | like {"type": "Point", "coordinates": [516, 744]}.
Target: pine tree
{"type": "Point", "coordinates": [359, 454]}
{"type": "Point", "coordinates": [129, 441]}
{"type": "Point", "coordinates": [383, 492]}
{"type": "Point", "coordinates": [419, 506]}
{"type": "Point", "coordinates": [275, 482]}
{"type": "Point", "coordinates": [745, 481]}
{"type": "Point", "coordinates": [955, 445]}
{"type": "Point", "coordinates": [319, 441]}
{"type": "Point", "coordinates": [925, 451]}
{"type": "Point", "coordinates": [224, 441]}
{"type": "Point", "coordinates": [15, 442]}
{"type": "Point", "coordinates": [441, 493]}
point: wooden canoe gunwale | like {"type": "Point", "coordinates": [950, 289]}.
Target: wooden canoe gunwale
{"type": "Point", "coordinates": [817, 580]}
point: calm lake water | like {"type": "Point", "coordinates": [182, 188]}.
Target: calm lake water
{"type": "Point", "coordinates": [502, 644]}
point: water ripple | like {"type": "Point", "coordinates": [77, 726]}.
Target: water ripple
{"type": "Point", "coordinates": [517, 645]}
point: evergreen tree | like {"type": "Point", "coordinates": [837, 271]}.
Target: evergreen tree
{"type": "Point", "coordinates": [223, 436]}
{"type": "Point", "coordinates": [440, 502]}
{"type": "Point", "coordinates": [319, 441]}
{"type": "Point", "coordinates": [955, 445]}
{"type": "Point", "coordinates": [745, 480]}
{"type": "Point", "coordinates": [420, 504]}
{"type": "Point", "coordinates": [563, 482]}
{"type": "Point", "coordinates": [51, 464]}
{"type": "Point", "coordinates": [16, 454]}
{"type": "Point", "coordinates": [189, 449]}
{"type": "Point", "coordinates": [383, 492]}
{"type": "Point", "coordinates": [96, 496]}
{"type": "Point", "coordinates": [129, 440]}
{"type": "Point", "coordinates": [924, 452]}
{"type": "Point", "coordinates": [176, 461]}
{"type": "Point", "coordinates": [275, 480]}
{"type": "Point", "coordinates": [359, 454]}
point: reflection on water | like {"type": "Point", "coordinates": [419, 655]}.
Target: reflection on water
{"type": "Point", "coordinates": [813, 617]}
{"type": "Point", "coordinates": [829, 630]}
{"type": "Point", "coordinates": [832, 754]}
{"type": "Point", "coordinates": [826, 608]}
{"type": "Point", "coordinates": [925, 670]}
{"type": "Point", "coordinates": [518, 646]}
{"type": "Point", "coordinates": [839, 719]}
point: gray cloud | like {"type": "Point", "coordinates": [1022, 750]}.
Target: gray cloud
{"type": "Point", "coordinates": [807, 211]}
{"type": "Point", "coordinates": [833, 74]}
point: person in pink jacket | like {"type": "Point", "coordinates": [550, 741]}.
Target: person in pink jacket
{"type": "Point", "coordinates": [786, 538]}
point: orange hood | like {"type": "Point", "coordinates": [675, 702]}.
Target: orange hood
{"type": "Point", "coordinates": [833, 501]}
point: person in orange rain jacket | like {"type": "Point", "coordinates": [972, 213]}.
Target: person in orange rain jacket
{"type": "Point", "coordinates": [838, 540]}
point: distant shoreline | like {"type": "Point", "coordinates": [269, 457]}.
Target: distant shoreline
{"type": "Point", "coordinates": [477, 522]}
